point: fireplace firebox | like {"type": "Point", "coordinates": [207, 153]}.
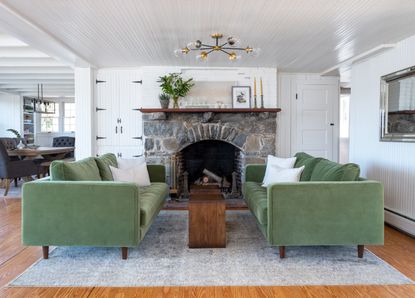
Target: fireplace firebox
{"type": "Point", "coordinates": [210, 162]}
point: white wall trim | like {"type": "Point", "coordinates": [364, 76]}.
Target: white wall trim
{"type": "Point", "coordinates": [400, 222]}
{"type": "Point", "coordinates": [84, 105]}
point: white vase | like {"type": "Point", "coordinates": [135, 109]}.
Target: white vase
{"type": "Point", "coordinates": [20, 145]}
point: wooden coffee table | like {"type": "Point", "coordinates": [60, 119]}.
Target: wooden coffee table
{"type": "Point", "coordinates": [207, 224]}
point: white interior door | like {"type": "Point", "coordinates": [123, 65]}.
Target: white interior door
{"type": "Point", "coordinates": [316, 120]}
{"type": "Point", "coordinates": [131, 120]}
{"type": "Point", "coordinates": [107, 109]}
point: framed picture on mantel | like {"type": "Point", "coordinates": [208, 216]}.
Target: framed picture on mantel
{"type": "Point", "coordinates": [241, 97]}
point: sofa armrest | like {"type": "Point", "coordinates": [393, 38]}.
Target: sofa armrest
{"type": "Point", "coordinates": [325, 213]}
{"type": "Point", "coordinates": [157, 173]}
{"type": "Point", "coordinates": [80, 213]}
{"type": "Point", "coordinates": [255, 172]}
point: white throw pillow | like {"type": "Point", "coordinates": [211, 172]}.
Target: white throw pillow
{"type": "Point", "coordinates": [277, 174]}
{"type": "Point", "coordinates": [136, 174]}
{"type": "Point", "coordinates": [129, 163]}
{"type": "Point", "coordinates": [285, 163]}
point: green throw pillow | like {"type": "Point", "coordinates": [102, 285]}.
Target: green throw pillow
{"type": "Point", "coordinates": [326, 170]}
{"type": "Point", "coordinates": [82, 170]}
{"type": "Point", "coordinates": [103, 163]}
{"type": "Point", "coordinates": [309, 162]}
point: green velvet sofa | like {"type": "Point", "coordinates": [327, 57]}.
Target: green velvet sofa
{"type": "Point", "coordinates": [80, 205]}
{"type": "Point", "coordinates": [330, 205]}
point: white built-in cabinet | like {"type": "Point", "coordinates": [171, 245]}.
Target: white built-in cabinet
{"type": "Point", "coordinates": [118, 121]}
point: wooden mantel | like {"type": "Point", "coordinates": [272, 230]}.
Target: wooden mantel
{"type": "Point", "coordinates": [207, 110]}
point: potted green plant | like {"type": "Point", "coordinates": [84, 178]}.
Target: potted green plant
{"type": "Point", "coordinates": [174, 85]}
{"type": "Point", "coordinates": [164, 100]}
{"type": "Point", "coordinates": [18, 136]}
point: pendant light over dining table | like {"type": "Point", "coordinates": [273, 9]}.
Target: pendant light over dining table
{"type": "Point", "coordinates": [40, 105]}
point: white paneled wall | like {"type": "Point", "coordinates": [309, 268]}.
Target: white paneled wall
{"type": "Point", "coordinates": [393, 163]}
{"type": "Point", "coordinates": [240, 77]}
{"type": "Point", "coordinates": [10, 113]}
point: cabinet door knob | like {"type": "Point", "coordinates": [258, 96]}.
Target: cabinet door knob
{"type": "Point", "coordinates": [121, 129]}
{"type": "Point", "coordinates": [116, 129]}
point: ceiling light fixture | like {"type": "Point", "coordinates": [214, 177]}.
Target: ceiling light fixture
{"type": "Point", "coordinates": [229, 48]}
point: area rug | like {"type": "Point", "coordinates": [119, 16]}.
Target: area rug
{"type": "Point", "coordinates": [163, 259]}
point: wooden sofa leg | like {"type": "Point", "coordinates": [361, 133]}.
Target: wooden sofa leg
{"type": "Point", "coordinates": [45, 250]}
{"type": "Point", "coordinates": [124, 253]}
{"type": "Point", "coordinates": [282, 252]}
{"type": "Point", "coordinates": [360, 250]}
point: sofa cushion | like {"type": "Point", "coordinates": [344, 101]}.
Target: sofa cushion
{"type": "Point", "coordinates": [137, 174]}
{"type": "Point", "coordinates": [326, 170]}
{"type": "Point", "coordinates": [256, 198]}
{"type": "Point", "coordinates": [309, 162]}
{"type": "Point", "coordinates": [277, 175]}
{"type": "Point", "coordinates": [103, 163]}
{"type": "Point", "coordinates": [82, 170]}
{"type": "Point", "coordinates": [151, 201]}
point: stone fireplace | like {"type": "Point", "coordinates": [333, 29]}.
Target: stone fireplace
{"type": "Point", "coordinates": [189, 143]}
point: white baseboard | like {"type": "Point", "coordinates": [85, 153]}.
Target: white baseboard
{"type": "Point", "coordinates": [400, 222]}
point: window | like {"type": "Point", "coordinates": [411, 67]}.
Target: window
{"type": "Point", "coordinates": [69, 117]}
{"type": "Point", "coordinates": [50, 122]}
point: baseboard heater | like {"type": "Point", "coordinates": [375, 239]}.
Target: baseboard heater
{"type": "Point", "coordinates": [400, 221]}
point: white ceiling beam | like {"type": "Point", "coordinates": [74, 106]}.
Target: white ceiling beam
{"type": "Point", "coordinates": [348, 62]}
{"type": "Point", "coordinates": [48, 94]}
{"type": "Point", "coordinates": [37, 76]}
{"type": "Point", "coordinates": [9, 41]}
{"type": "Point", "coordinates": [33, 87]}
{"type": "Point", "coordinates": [29, 62]}
{"type": "Point", "coordinates": [35, 81]}
{"type": "Point", "coordinates": [39, 70]}
{"type": "Point", "coordinates": [14, 23]}
{"type": "Point", "coordinates": [20, 52]}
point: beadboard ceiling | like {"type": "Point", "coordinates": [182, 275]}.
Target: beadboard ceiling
{"type": "Point", "coordinates": [294, 35]}
{"type": "Point", "coordinates": [22, 68]}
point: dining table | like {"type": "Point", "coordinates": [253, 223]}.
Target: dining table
{"type": "Point", "coordinates": [47, 153]}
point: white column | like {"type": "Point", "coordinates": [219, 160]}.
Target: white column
{"type": "Point", "coordinates": [84, 105]}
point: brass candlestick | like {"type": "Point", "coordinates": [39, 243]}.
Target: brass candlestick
{"type": "Point", "coordinates": [255, 106]}
{"type": "Point", "coordinates": [262, 101]}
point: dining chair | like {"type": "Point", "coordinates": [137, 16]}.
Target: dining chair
{"type": "Point", "coordinates": [64, 142]}
{"type": "Point", "coordinates": [10, 144]}
{"type": "Point", "coordinates": [14, 169]}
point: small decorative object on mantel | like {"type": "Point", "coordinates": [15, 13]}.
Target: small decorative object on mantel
{"type": "Point", "coordinates": [164, 100]}
{"type": "Point", "coordinates": [255, 105]}
{"type": "Point", "coordinates": [18, 136]}
{"type": "Point", "coordinates": [174, 85]}
{"type": "Point", "coordinates": [262, 94]}
{"type": "Point", "coordinates": [241, 97]}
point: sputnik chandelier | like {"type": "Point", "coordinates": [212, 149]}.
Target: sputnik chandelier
{"type": "Point", "coordinates": [229, 47]}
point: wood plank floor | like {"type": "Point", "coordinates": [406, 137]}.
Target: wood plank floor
{"type": "Point", "coordinates": [399, 251]}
